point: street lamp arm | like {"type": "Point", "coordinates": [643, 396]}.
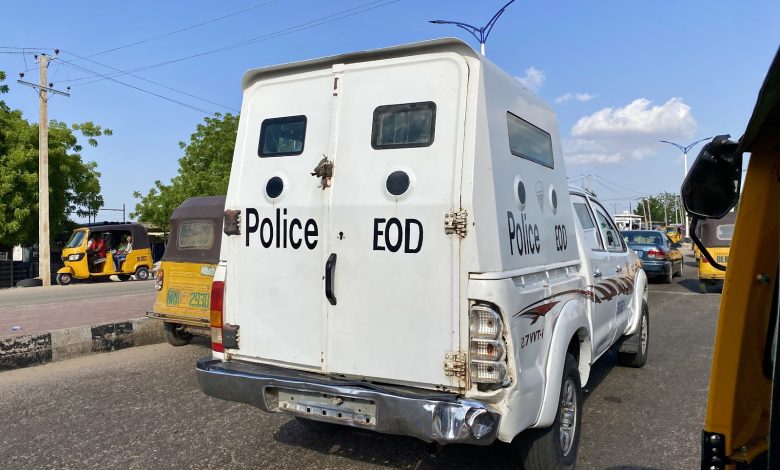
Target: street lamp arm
{"type": "Point", "coordinates": [473, 30]}
{"type": "Point", "coordinates": [694, 144]}
{"type": "Point", "coordinates": [489, 26]}
{"type": "Point", "coordinates": [682, 149]}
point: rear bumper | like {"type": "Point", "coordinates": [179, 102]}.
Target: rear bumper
{"type": "Point", "coordinates": [656, 268]}
{"type": "Point", "coordinates": [427, 415]}
{"type": "Point", "coordinates": [180, 319]}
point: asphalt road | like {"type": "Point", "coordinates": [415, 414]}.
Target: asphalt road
{"type": "Point", "coordinates": [21, 296]}
{"type": "Point", "coordinates": [141, 408]}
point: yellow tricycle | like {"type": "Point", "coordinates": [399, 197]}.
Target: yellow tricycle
{"type": "Point", "coordinates": [183, 280]}
{"type": "Point", "coordinates": [98, 251]}
{"type": "Point", "coordinates": [715, 235]}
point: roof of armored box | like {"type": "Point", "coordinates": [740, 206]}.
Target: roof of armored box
{"type": "Point", "coordinates": [405, 50]}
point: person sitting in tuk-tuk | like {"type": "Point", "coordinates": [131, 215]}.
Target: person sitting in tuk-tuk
{"type": "Point", "coordinates": [96, 250]}
{"type": "Point", "coordinates": [125, 246]}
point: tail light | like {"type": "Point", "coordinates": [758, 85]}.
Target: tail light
{"type": "Point", "coordinates": [656, 253]}
{"type": "Point", "coordinates": [487, 350]}
{"type": "Point", "coordinates": [217, 295]}
{"type": "Point", "coordinates": [704, 260]}
{"type": "Point", "coordinates": [158, 279]}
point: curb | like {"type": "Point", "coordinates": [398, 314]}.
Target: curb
{"type": "Point", "coordinates": [32, 350]}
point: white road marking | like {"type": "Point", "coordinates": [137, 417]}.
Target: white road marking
{"type": "Point", "coordinates": [677, 293]}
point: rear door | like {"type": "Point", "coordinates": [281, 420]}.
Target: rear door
{"type": "Point", "coordinates": [275, 269]}
{"type": "Point", "coordinates": [393, 309]}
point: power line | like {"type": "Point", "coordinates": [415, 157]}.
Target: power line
{"type": "Point", "coordinates": [78, 57]}
{"type": "Point", "coordinates": [171, 33]}
{"type": "Point", "coordinates": [363, 8]}
{"type": "Point", "coordinates": [181, 103]}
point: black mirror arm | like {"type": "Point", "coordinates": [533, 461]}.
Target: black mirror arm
{"type": "Point", "coordinates": [702, 248]}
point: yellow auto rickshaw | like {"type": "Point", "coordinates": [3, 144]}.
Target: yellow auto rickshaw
{"type": "Point", "coordinates": [674, 233]}
{"type": "Point", "coordinates": [97, 251]}
{"type": "Point", "coordinates": [184, 277]}
{"type": "Point", "coordinates": [715, 235]}
{"type": "Point", "coordinates": [742, 425]}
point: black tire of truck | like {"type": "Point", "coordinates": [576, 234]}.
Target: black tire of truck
{"type": "Point", "coordinates": [175, 334]}
{"type": "Point", "coordinates": [668, 276]}
{"type": "Point", "coordinates": [547, 448]}
{"type": "Point", "coordinates": [638, 357]}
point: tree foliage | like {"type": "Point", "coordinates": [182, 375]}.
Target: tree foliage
{"type": "Point", "coordinates": [204, 170]}
{"type": "Point", "coordinates": [662, 208]}
{"type": "Point", "coordinates": [74, 186]}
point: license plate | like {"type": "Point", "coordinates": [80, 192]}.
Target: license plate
{"type": "Point", "coordinates": [355, 411]}
{"type": "Point", "coordinates": [177, 298]}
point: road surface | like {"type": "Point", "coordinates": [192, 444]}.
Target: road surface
{"type": "Point", "coordinates": [141, 408]}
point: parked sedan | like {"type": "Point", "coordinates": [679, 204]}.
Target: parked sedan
{"type": "Point", "coordinates": [661, 258]}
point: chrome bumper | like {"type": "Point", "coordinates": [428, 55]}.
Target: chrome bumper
{"type": "Point", "coordinates": [427, 415]}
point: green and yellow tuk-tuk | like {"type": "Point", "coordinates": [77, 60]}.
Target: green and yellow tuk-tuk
{"type": "Point", "coordinates": [184, 277]}
{"type": "Point", "coordinates": [715, 235]}
{"type": "Point", "coordinates": [98, 251]}
{"type": "Point", "coordinates": [742, 424]}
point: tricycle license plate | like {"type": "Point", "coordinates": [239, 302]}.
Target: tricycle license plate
{"type": "Point", "coordinates": [335, 407]}
{"type": "Point", "coordinates": [186, 299]}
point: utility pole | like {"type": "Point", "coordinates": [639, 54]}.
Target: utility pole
{"type": "Point", "coordinates": [44, 240]}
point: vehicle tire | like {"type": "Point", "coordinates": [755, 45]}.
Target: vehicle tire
{"type": "Point", "coordinates": [64, 279]}
{"type": "Point", "coordinates": [703, 287]}
{"type": "Point", "coordinates": [668, 276]}
{"type": "Point", "coordinates": [175, 334]}
{"type": "Point", "coordinates": [556, 446]}
{"type": "Point", "coordinates": [141, 274]}
{"type": "Point", "coordinates": [680, 271]}
{"type": "Point", "coordinates": [123, 277]}
{"type": "Point", "coordinates": [641, 337]}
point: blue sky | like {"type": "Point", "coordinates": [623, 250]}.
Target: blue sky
{"type": "Point", "coordinates": [620, 74]}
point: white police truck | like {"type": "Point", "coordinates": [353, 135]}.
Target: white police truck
{"type": "Point", "coordinates": [402, 254]}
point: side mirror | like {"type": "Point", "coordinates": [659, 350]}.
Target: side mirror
{"type": "Point", "coordinates": [711, 188]}
{"type": "Point", "coordinates": [676, 246]}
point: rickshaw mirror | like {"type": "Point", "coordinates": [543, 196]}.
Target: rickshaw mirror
{"type": "Point", "coordinates": [711, 188]}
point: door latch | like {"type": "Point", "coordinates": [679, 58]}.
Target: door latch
{"type": "Point", "coordinates": [324, 171]}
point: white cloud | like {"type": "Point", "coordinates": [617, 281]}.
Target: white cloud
{"type": "Point", "coordinates": [613, 135]}
{"type": "Point", "coordinates": [581, 97]}
{"type": "Point", "coordinates": [533, 79]}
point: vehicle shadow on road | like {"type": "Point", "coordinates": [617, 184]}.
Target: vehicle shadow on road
{"type": "Point", "coordinates": [693, 286]}
{"type": "Point", "coordinates": [392, 451]}
{"type": "Point", "coordinates": [600, 370]}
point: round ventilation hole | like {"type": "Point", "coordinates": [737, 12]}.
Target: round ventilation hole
{"type": "Point", "coordinates": [274, 187]}
{"type": "Point", "coordinates": [397, 183]}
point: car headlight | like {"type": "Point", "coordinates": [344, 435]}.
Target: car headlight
{"type": "Point", "coordinates": [75, 257]}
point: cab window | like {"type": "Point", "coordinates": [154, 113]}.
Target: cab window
{"type": "Point", "coordinates": [529, 142]}
{"type": "Point", "coordinates": [611, 234]}
{"type": "Point", "coordinates": [195, 235]}
{"type": "Point", "coordinates": [403, 125]}
{"type": "Point", "coordinates": [587, 222]}
{"type": "Point", "coordinates": [724, 232]}
{"type": "Point", "coordinates": [76, 239]}
{"type": "Point", "coordinates": [282, 136]}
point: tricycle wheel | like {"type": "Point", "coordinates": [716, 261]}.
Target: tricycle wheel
{"type": "Point", "coordinates": [141, 274]}
{"type": "Point", "coordinates": [123, 277]}
{"type": "Point", "coordinates": [702, 287]}
{"type": "Point", "coordinates": [176, 335]}
{"type": "Point", "coordinates": [64, 279]}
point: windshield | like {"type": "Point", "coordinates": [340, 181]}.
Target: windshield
{"type": "Point", "coordinates": [642, 238]}
{"type": "Point", "coordinates": [671, 230]}
{"type": "Point", "coordinates": [76, 239]}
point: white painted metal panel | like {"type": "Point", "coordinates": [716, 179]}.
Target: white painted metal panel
{"type": "Point", "coordinates": [396, 283]}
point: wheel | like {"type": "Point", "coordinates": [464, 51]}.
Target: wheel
{"type": "Point", "coordinates": [668, 276]}
{"type": "Point", "coordinates": [175, 334]}
{"type": "Point", "coordinates": [633, 351]}
{"type": "Point", "coordinates": [679, 271]}
{"type": "Point", "coordinates": [64, 279]}
{"type": "Point", "coordinates": [123, 277]}
{"type": "Point", "coordinates": [141, 274]}
{"type": "Point", "coordinates": [703, 287]}
{"type": "Point", "coordinates": [556, 446]}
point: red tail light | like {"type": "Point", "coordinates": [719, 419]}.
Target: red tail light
{"type": "Point", "coordinates": [217, 294]}
{"type": "Point", "coordinates": [704, 260]}
{"type": "Point", "coordinates": [656, 253]}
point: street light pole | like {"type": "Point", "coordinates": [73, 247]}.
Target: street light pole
{"type": "Point", "coordinates": [481, 34]}
{"type": "Point", "coordinates": [685, 150]}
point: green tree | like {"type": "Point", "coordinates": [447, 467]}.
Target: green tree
{"type": "Point", "coordinates": [74, 186]}
{"type": "Point", "coordinates": [204, 170]}
{"type": "Point", "coordinates": [662, 208]}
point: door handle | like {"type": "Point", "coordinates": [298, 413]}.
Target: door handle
{"type": "Point", "coordinates": [330, 267]}
{"type": "Point", "coordinates": [597, 274]}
